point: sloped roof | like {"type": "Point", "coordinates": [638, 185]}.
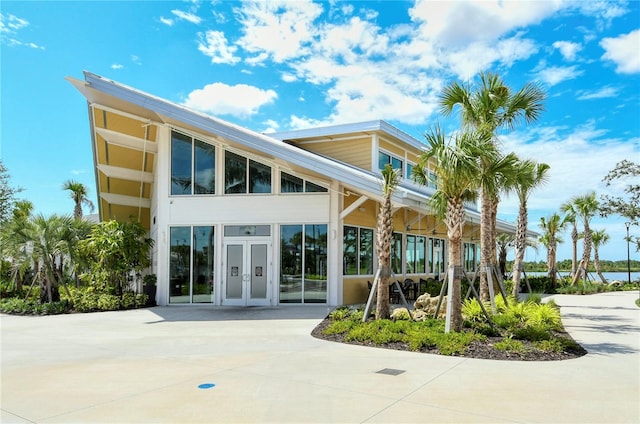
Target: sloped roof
{"type": "Point", "coordinates": [109, 94]}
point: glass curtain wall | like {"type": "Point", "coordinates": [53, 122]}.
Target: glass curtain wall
{"type": "Point", "coordinates": [191, 265]}
{"type": "Point", "coordinates": [303, 263]}
{"type": "Point", "coordinates": [192, 166]}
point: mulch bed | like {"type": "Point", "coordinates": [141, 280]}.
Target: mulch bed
{"type": "Point", "coordinates": [478, 350]}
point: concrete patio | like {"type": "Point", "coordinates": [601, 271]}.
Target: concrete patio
{"type": "Point", "coordinates": [233, 365]}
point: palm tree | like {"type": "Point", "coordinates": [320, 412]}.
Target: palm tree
{"type": "Point", "coordinates": [457, 172]}
{"type": "Point", "coordinates": [78, 192]}
{"type": "Point", "coordinates": [551, 226]}
{"type": "Point", "coordinates": [13, 243]}
{"type": "Point", "coordinates": [488, 106]}
{"type": "Point", "coordinates": [585, 208]}
{"type": "Point", "coordinates": [390, 179]}
{"type": "Point", "coordinates": [529, 176]}
{"type": "Point", "coordinates": [570, 216]}
{"type": "Point", "coordinates": [599, 238]}
{"type": "Point", "coordinates": [503, 242]}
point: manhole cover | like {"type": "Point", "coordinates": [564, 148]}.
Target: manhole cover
{"type": "Point", "coordinates": [390, 371]}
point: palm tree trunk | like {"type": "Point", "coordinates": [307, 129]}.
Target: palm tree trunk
{"type": "Point", "coordinates": [485, 245]}
{"type": "Point", "coordinates": [574, 256]}
{"type": "Point", "coordinates": [596, 264]}
{"type": "Point", "coordinates": [521, 245]}
{"type": "Point", "coordinates": [455, 221]}
{"type": "Point", "coordinates": [551, 262]}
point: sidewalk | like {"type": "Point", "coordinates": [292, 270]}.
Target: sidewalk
{"type": "Point", "coordinates": [147, 366]}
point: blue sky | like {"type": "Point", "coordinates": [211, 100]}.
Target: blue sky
{"type": "Point", "coordinates": [295, 64]}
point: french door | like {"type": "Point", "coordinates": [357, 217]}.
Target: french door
{"type": "Point", "coordinates": [247, 272]}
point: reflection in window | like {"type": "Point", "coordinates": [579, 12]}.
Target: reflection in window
{"type": "Point", "coordinates": [205, 171]}
{"type": "Point", "coordinates": [191, 264]}
{"type": "Point", "coordinates": [292, 184]}
{"type": "Point", "coordinates": [180, 164]}
{"type": "Point", "coordinates": [436, 256]}
{"type": "Point", "coordinates": [203, 260]}
{"type": "Point", "coordinates": [357, 252]}
{"type": "Point", "coordinates": [416, 246]}
{"type": "Point", "coordinates": [180, 265]}
{"type": "Point", "coordinates": [303, 271]}
{"type": "Point", "coordinates": [470, 257]}
{"type": "Point", "coordinates": [385, 158]}
{"type": "Point", "coordinates": [242, 175]}
{"type": "Point", "coordinates": [192, 166]}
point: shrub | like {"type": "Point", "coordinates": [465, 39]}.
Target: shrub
{"type": "Point", "coordinates": [17, 306]}
{"type": "Point", "coordinates": [545, 316]}
{"type": "Point", "coordinates": [141, 300]}
{"type": "Point", "coordinates": [552, 345]}
{"type": "Point", "coordinates": [510, 345]}
{"type": "Point", "coordinates": [128, 300]}
{"type": "Point", "coordinates": [472, 312]}
{"type": "Point", "coordinates": [339, 327]}
{"type": "Point", "coordinates": [340, 313]}
{"type": "Point", "coordinates": [108, 302]}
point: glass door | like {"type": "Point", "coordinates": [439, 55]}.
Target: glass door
{"type": "Point", "coordinates": [247, 273]}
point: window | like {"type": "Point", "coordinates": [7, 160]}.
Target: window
{"type": "Point", "coordinates": [435, 256]}
{"type": "Point", "coordinates": [409, 171]}
{"type": "Point", "coordinates": [416, 254]}
{"type": "Point", "coordinates": [192, 166]}
{"type": "Point", "coordinates": [303, 263]}
{"type": "Point", "coordinates": [243, 175]}
{"type": "Point", "coordinates": [385, 158]}
{"type": "Point", "coordinates": [357, 251]}
{"type": "Point", "coordinates": [292, 184]}
{"type": "Point", "coordinates": [191, 264]}
{"type": "Point", "coordinates": [470, 256]}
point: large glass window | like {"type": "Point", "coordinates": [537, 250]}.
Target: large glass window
{"type": "Point", "coordinates": [292, 184]}
{"type": "Point", "coordinates": [204, 172]}
{"type": "Point", "coordinates": [357, 254]}
{"type": "Point", "coordinates": [243, 175]}
{"type": "Point", "coordinates": [192, 166]}
{"type": "Point", "coordinates": [303, 263]}
{"type": "Point", "coordinates": [416, 246]}
{"type": "Point", "coordinates": [191, 264]}
{"type": "Point", "coordinates": [470, 257]}
{"type": "Point", "coordinates": [436, 256]}
{"type": "Point", "coordinates": [386, 158]}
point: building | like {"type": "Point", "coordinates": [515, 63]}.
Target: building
{"type": "Point", "coordinates": [243, 218]}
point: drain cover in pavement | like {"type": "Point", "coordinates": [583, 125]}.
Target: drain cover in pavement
{"type": "Point", "coordinates": [206, 386]}
{"type": "Point", "coordinates": [390, 371]}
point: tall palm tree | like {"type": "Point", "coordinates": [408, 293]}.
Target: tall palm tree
{"type": "Point", "coordinates": [456, 169]}
{"type": "Point", "coordinates": [551, 226]}
{"type": "Point", "coordinates": [599, 238]}
{"type": "Point", "coordinates": [13, 242]}
{"type": "Point", "coordinates": [488, 106]}
{"type": "Point", "coordinates": [503, 242]}
{"type": "Point", "coordinates": [585, 207]}
{"type": "Point", "coordinates": [78, 192]}
{"type": "Point", "coordinates": [529, 176]}
{"type": "Point", "coordinates": [390, 179]}
{"type": "Point", "coordinates": [571, 217]}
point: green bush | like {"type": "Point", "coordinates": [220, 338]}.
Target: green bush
{"type": "Point", "coordinates": [472, 312]}
{"type": "Point", "coordinates": [128, 300]}
{"type": "Point", "coordinates": [108, 302]}
{"type": "Point", "coordinates": [141, 300]}
{"type": "Point", "coordinates": [552, 345]}
{"type": "Point", "coordinates": [510, 345]}
{"type": "Point", "coordinates": [17, 306]}
{"type": "Point", "coordinates": [340, 313]}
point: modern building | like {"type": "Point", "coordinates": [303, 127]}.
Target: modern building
{"type": "Point", "coordinates": [244, 218]}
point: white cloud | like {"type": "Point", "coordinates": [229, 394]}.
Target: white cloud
{"type": "Point", "coordinates": [117, 66]}
{"type": "Point", "coordinates": [271, 126]}
{"type": "Point", "coordinates": [10, 25]}
{"type": "Point", "coordinates": [278, 29]}
{"type": "Point", "coordinates": [572, 171]}
{"type": "Point", "coordinates": [456, 23]}
{"type": "Point", "coordinates": [166, 21]}
{"type": "Point", "coordinates": [135, 59]}
{"type": "Point", "coordinates": [237, 100]}
{"type": "Point", "coordinates": [568, 49]}
{"type": "Point", "coordinates": [553, 75]}
{"type": "Point", "coordinates": [603, 93]}
{"type": "Point", "coordinates": [624, 52]}
{"type": "Point", "coordinates": [214, 44]}
{"type": "Point", "coordinates": [190, 17]}
{"type": "Point", "coordinates": [288, 77]}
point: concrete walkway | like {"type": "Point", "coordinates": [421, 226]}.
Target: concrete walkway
{"type": "Point", "coordinates": [148, 366]}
